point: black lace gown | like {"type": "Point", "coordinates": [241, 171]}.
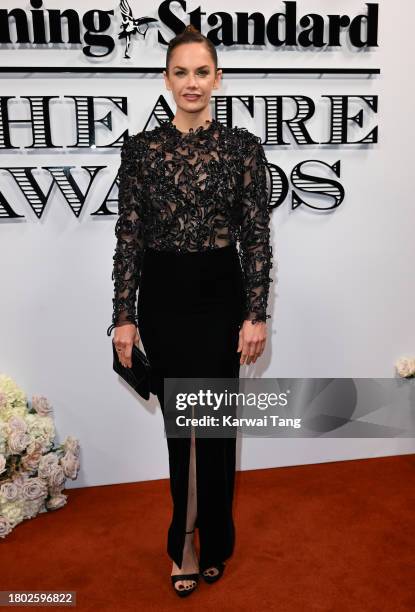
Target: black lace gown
{"type": "Point", "coordinates": [193, 236]}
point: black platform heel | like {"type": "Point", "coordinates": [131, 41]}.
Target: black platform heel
{"type": "Point", "coordinates": [183, 591]}
{"type": "Point", "coordinates": [210, 579]}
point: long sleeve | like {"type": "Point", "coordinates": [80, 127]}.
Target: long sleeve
{"type": "Point", "coordinates": [129, 232]}
{"type": "Point", "coordinates": [255, 249]}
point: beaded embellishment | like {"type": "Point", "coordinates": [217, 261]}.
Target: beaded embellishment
{"type": "Point", "coordinates": [192, 191]}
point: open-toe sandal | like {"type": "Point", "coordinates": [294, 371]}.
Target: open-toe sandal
{"type": "Point", "coordinates": [182, 590]}
{"type": "Point", "coordinates": [213, 578]}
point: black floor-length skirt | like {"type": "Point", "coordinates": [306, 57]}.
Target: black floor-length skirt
{"type": "Point", "coordinates": [190, 309]}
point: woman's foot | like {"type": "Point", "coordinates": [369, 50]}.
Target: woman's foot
{"type": "Point", "coordinates": [213, 573]}
{"type": "Point", "coordinates": [190, 565]}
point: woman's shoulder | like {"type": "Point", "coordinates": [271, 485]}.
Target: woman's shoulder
{"type": "Point", "coordinates": [135, 139]}
{"type": "Point", "coordinates": [145, 140]}
{"type": "Point", "coordinates": [247, 143]}
{"type": "Point", "coordinates": [134, 145]}
{"type": "Point", "coordinates": [246, 136]}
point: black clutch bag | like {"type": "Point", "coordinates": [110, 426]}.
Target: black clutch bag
{"type": "Point", "coordinates": [139, 375]}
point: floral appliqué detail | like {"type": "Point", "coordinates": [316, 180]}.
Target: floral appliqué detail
{"type": "Point", "coordinates": [192, 191]}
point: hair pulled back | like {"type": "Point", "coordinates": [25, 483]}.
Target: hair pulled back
{"type": "Point", "coordinates": [191, 34]}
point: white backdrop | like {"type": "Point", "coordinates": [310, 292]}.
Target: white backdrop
{"type": "Point", "coordinates": [343, 295]}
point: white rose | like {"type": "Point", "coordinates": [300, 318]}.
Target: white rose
{"type": "Point", "coordinates": [70, 465]}
{"type": "Point", "coordinates": [56, 502]}
{"type": "Point", "coordinates": [34, 451]}
{"type": "Point", "coordinates": [34, 488]}
{"type": "Point", "coordinates": [56, 476]}
{"type": "Point", "coordinates": [16, 423]}
{"type": "Point", "coordinates": [41, 405]}
{"type": "Point", "coordinates": [45, 444]}
{"type": "Point", "coordinates": [41, 427]}
{"type": "Point", "coordinates": [18, 440]}
{"type": "Point", "coordinates": [30, 462]}
{"type": "Point", "coordinates": [47, 463]}
{"type": "Point", "coordinates": [71, 445]}
{"type": "Point", "coordinates": [9, 491]}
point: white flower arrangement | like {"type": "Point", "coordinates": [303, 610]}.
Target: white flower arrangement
{"type": "Point", "coordinates": [405, 366]}
{"type": "Point", "coordinates": [33, 470]}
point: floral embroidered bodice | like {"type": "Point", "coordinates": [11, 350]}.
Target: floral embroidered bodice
{"type": "Point", "coordinates": [192, 191]}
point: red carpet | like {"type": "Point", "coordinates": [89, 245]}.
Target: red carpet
{"type": "Point", "coordinates": [331, 537]}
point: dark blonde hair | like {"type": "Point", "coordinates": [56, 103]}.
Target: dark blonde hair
{"type": "Point", "coordinates": [189, 35]}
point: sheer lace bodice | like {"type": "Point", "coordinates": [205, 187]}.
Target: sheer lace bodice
{"type": "Point", "coordinates": [192, 191]}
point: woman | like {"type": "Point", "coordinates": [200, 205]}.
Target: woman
{"type": "Point", "coordinates": [189, 190]}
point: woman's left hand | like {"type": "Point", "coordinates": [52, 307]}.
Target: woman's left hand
{"type": "Point", "coordinates": [252, 339]}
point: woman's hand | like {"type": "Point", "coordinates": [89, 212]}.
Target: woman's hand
{"type": "Point", "coordinates": [124, 338]}
{"type": "Point", "coordinates": [252, 338]}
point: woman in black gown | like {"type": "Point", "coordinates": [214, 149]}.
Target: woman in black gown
{"type": "Point", "coordinates": [189, 190]}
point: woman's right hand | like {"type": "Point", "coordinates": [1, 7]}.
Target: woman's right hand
{"type": "Point", "coordinates": [124, 337]}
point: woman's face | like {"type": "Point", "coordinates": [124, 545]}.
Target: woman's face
{"type": "Point", "coordinates": [191, 77]}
